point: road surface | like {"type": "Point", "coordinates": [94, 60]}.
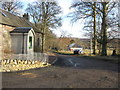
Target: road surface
{"type": "Point", "coordinates": [67, 72]}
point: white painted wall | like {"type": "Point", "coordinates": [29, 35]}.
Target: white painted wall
{"type": "Point", "coordinates": [17, 42]}
{"type": "Point", "coordinates": [31, 33]}
{"type": "Point", "coordinates": [73, 49]}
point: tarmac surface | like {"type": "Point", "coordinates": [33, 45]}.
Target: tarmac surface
{"type": "Point", "coordinates": [67, 72]}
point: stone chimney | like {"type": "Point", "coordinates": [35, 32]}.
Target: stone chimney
{"type": "Point", "coordinates": [26, 16]}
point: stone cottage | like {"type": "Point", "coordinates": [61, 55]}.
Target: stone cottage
{"type": "Point", "coordinates": [18, 35]}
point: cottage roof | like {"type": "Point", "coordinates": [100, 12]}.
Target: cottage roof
{"type": "Point", "coordinates": [77, 46]}
{"type": "Point", "coordinates": [15, 21]}
{"type": "Point", "coordinates": [21, 30]}
{"type": "Point", "coordinates": [74, 45]}
{"type": "Point", "coordinates": [71, 45]}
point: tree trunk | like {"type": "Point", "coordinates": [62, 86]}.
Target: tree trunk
{"type": "Point", "coordinates": [43, 42]}
{"type": "Point", "coordinates": [95, 36]}
{"type": "Point", "coordinates": [104, 30]}
{"type": "Point", "coordinates": [43, 38]}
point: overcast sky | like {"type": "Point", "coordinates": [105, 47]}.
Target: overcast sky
{"type": "Point", "coordinates": [69, 29]}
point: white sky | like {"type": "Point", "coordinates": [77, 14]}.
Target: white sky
{"type": "Point", "coordinates": [74, 30]}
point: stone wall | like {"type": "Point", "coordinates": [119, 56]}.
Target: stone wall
{"type": "Point", "coordinates": [10, 65]}
{"type": "Point", "coordinates": [38, 42]}
{"type": "Point", "coordinates": [1, 42]}
{"type": "Point", "coordinates": [5, 39]}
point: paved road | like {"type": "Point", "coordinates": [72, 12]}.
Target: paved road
{"type": "Point", "coordinates": [67, 72]}
{"type": "Point", "coordinates": [85, 63]}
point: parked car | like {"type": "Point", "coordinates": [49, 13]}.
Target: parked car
{"type": "Point", "coordinates": [78, 51]}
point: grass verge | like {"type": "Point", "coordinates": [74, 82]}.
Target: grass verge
{"type": "Point", "coordinates": [113, 59]}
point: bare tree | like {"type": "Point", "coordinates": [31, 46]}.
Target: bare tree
{"type": "Point", "coordinates": [12, 6]}
{"type": "Point", "coordinates": [86, 10]}
{"type": "Point", "coordinates": [45, 16]}
{"type": "Point", "coordinates": [105, 9]}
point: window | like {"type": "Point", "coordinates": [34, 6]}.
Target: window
{"type": "Point", "coordinates": [30, 42]}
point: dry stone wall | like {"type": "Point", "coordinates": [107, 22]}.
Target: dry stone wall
{"type": "Point", "coordinates": [9, 65]}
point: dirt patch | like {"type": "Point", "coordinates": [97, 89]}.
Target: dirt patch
{"type": "Point", "coordinates": [59, 77]}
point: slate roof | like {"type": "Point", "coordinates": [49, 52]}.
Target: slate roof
{"type": "Point", "coordinates": [15, 21]}
{"type": "Point", "coordinates": [77, 46]}
{"type": "Point", "coordinates": [21, 30]}
{"type": "Point", "coordinates": [74, 45]}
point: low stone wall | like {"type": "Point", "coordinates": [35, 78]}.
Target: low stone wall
{"type": "Point", "coordinates": [10, 65]}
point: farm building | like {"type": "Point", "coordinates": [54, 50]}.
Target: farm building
{"type": "Point", "coordinates": [74, 46]}
{"type": "Point", "coordinates": [18, 35]}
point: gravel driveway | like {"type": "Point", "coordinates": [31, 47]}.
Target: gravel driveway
{"type": "Point", "coordinates": [67, 72]}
